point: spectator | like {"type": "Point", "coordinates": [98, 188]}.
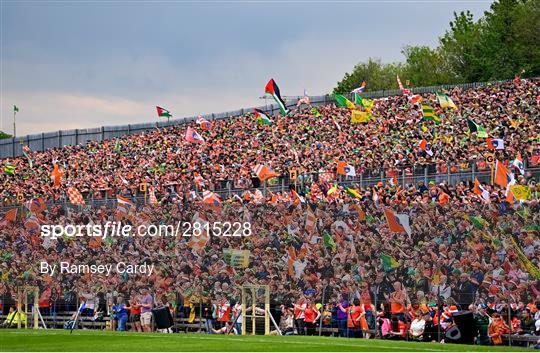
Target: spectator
{"type": "Point", "coordinates": [146, 304]}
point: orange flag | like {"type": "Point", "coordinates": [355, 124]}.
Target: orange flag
{"type": "Point", "coordinates": [56, 176]}
{"type": "Point", "coordinates": [393, 222]}
{"type": "Point", "coordinates": [11, 215]}
{"type": "Point", "coordinates": [263, 172]}
{"type": "Point", "coordinates": [502, 175]}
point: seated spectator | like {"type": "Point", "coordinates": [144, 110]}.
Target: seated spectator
{"type": "Point", "coordinates": [397, 329]}
{"type": "Point", "coordinates": [497, 328]}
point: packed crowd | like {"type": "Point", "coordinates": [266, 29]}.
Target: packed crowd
{"type": "Point", "coordinates": [305, 140]}
{"type": "Point", "coordinates": [325, 251]}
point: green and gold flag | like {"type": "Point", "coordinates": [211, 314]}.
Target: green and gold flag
{"type": "Point", "coordinates": [429, 114]}
{"type": "Point", "coordinates": [343, 102]}
{"type": "Point", "coordinates": [389, 263]}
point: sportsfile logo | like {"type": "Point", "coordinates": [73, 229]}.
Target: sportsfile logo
{"type": "Point", "coordinates": [180, 229]}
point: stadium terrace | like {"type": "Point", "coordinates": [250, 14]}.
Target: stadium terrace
{"type": "Point", "coordinates": [400, 218]}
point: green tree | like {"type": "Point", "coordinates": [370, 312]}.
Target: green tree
{"type": "Point", "coordinates": [378, 75]}
{"type": "Point", "coordinates": [510, 40]}
{"type": "Point", "coordinates": [503, 43]}
{"type": "Point", "coordinates": [460, 48]}
{"type": "Point", "coordinates": [3, 135]}
{"type": "Point", "coordinates": [425, 66]}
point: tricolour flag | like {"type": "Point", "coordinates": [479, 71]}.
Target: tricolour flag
{"type": "Point", "coordinates": [474, 127]}
{"type": "Point", "coordinates": [495, 144]}
{"type": "Point", "coordinates": [480, 190]}
{"type": "Point", "coordinates": [262, 118]}
{"type": "Point", "coordinates": [203, 123]}
{"type": "Point", "coordinates": [445, 101]}
{"type": "Point", "coordinates": [424, 146]}
{"type": "Point", "coordinates": [198, 243]}
{"type": "Point", "coordinates": [297, 199]}
{"type": "Point", "coordinates": [193, 136]}
{"type": "Point", "coordinates": [518, 163]}
{"type": "Point", "coordinates": [311, 221]}
{"type": "Point", "coordinates": [345, 169]}
{"type": "Point", "coordinates": [398, 223]}
{"type": "Point", "coordinates": [211, 198]}
{"type": "Point", "coordinates": [273, 89]}
{"type": "Point", "coordinates": [56, 176]}
{"type": "Point", "coordinates": [263, 172]}
{"type": "Point", "coordinates": [343, 102]}
{"type": "Point", "coordinates": [36, 205]}
{"type": "Point", "coordinates": [429, 114]}
{"type": "Point", "coordinates": [360, 89]}
{"type": "Point", "coordinates": [199, 180]}
{"type": "Point", "coordinates": [415, 98]}
{"type": "Point", "coordinates": [124, 206]}
{"type": "Point", "coordinates": [404, 90]}
{"type": "Point", "coordinates": [503, 176]}
{"type": "Point", "coordinates": [75, 196]}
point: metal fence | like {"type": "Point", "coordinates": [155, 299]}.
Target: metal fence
{"type": "Point", "coordinates": [226, 189]}
{"type": "Point", "coordinates": [12, 147]}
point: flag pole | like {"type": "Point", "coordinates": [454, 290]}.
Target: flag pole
{"type": "Point", "coordinates": [14, 125]}
{"type": "Point", "coordinates": [492, 172]}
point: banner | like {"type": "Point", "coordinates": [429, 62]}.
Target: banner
{"type": "Point", "coordinates": [521, 192]}
{"type": "Point", "coordinates": [358, 116]}
{"type": "Point", "coordinates": [525, 262]}
{"type": "Point", "coordinates": [237, 258]}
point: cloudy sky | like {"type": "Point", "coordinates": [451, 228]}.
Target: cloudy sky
{"type": "Point", "coordinates": [76, 64]}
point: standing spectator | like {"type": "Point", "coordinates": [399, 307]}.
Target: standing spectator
{"type": "Point", "coordinates": [210, 310]}
{"type": "Point", "coordinates": [299, 309]}
{"type": "Point", "coordinates": [135, 314]}
{"type": "Point", "coordinates": [465, 291]}
{"type": "Point", "coordinates": [481, 320]}
{"type": "Point", "coordinates": [237, 317]}
{"type": "Point", "coordinates": [224, 311]}
{"type": "Point", "coordinates": [311, 315]}
{"type": "Point", "coordinates": [355, 315]}
{"type": "Point", "coordinates": [342, 315]}
{"type": "Point", "coordinates": [146, 305]}
{"type": "Point", "coordinates": [398, 301]}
